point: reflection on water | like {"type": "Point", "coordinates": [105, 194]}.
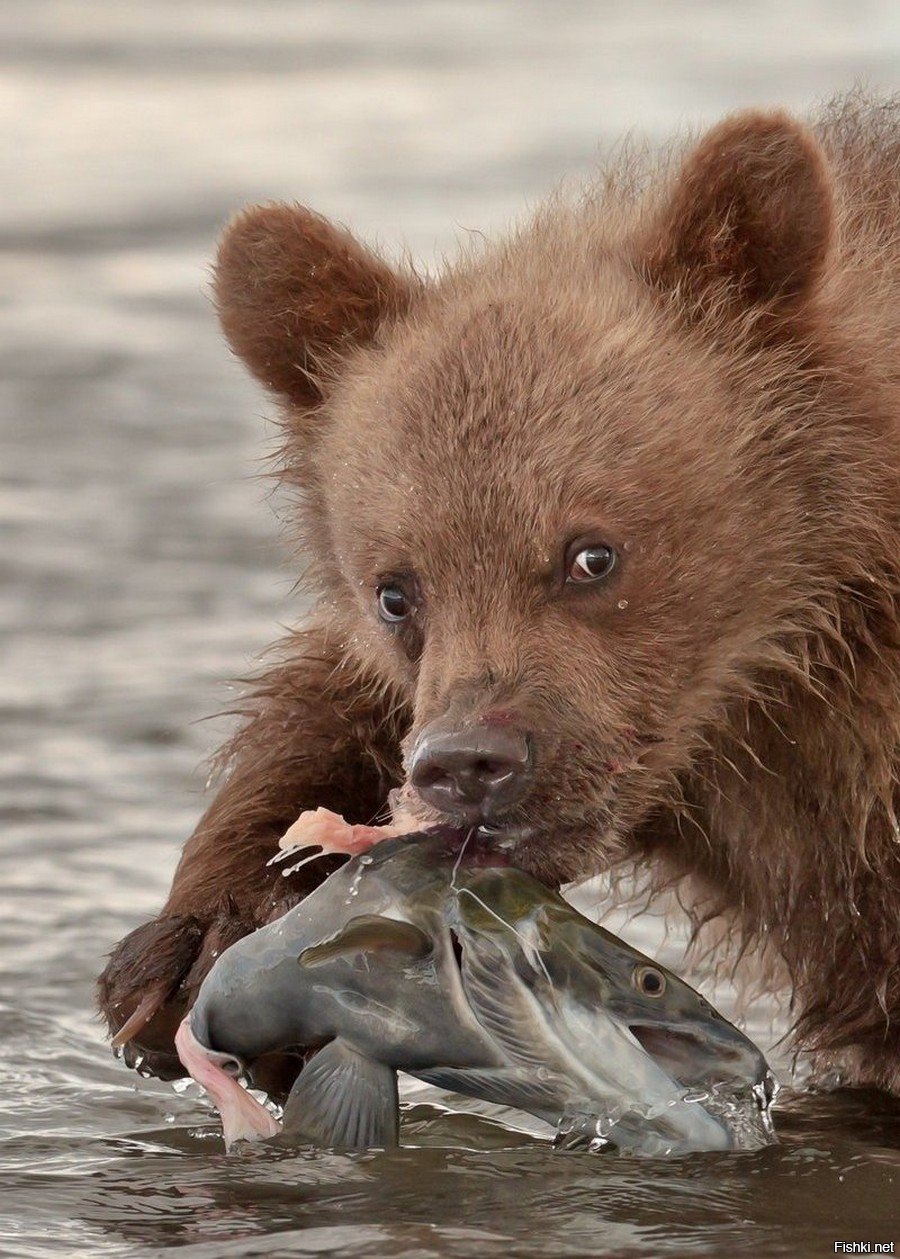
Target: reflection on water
{"type": "Point", "coordinates": [462, 1186]}
{"type": "Point", "coordinates": [143, 567]}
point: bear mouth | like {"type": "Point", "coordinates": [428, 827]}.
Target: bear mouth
{"type": "Point", "coordinates": [567, 846]}
{"type": "Point", "coordinates": [503, 832]}
{"type": "Point", "coordinates": [505, 835]}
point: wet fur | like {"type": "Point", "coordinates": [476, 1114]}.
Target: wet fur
{"type": "Point", "coordinates": [719, 331]}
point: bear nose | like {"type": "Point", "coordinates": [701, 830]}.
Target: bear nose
{"type": "Point", "coordinates": [470, 773]}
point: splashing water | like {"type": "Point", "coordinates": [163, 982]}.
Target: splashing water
{"type": "Point", "coordinates": [748, 1119]}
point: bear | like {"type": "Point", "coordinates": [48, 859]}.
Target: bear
{"type": "Point", "coordinates": [602, 525]}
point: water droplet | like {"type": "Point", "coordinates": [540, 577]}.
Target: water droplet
{"type": "Point", "coordinates": [354, 887]}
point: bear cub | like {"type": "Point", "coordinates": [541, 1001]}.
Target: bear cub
{"type": "Point", "coordinates": [603, 525]}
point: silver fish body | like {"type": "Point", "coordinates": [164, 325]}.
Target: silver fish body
{"type": "Point", "coordinates": [425, 956]}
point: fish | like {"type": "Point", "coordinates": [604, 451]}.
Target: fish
{"type": "Point", "coordinates": [430, 954]}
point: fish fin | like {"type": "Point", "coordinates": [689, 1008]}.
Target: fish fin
{"type": "Point", "coordinates": [344, 1101]}
{"type": "Point", "coordinates": [502, 1086]}
{"type": "Point", "coordinates": [368, 933]}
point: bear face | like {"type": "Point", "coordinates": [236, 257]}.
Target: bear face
{"type": "Point", "coordinates": [563, 466]}
{"type": "Point", "coordinates": [494, 455]}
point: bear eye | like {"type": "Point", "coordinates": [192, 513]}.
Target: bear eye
{"type": "Point", "coordinates": [589, 563]}
{"type": "Point", "coordinates": [649, 981]}
{"type": "Point", "coordinates": [393, 604]}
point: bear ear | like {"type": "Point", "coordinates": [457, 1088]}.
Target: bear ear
{"type": "Point", "coordinates": [749, 215]}
{"type": "Point", "coordinates": [295, 293]}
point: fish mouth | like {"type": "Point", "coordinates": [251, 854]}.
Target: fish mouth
{"type": "Point", "coordinates": [693, 1061]}
{"type": "Point", "coordinates": [731, 1090]}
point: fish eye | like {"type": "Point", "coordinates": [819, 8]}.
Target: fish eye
{"type": "Point", "coordinates": [649, 981]}
{"type": "Point", "coordinates": [394, 605]}
{"type": "Point", "coordinates": [589, 562]}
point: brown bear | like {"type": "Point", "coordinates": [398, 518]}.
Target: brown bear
{"type": "Point", "coordinates": [604, 529]}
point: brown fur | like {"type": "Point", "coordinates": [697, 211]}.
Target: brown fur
{"type": "Point", "coordinates": [697, 364]}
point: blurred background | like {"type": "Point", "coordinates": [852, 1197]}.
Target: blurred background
{"type": "Point", "coordinates": [142, 565]}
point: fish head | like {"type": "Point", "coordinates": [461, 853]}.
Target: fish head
{"type": "Point", "coordinates": [677, 1026]}
{"type": "Point", "coordinates": [725, 1085]}
{"type": "Point", "coordinates": [653, 1036]}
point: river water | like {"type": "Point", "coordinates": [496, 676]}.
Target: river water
{"type": "Point", "coordinates": [142, 567]}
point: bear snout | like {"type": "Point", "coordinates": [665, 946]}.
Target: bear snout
{"type": "Point", "coordinates": [471, 772]}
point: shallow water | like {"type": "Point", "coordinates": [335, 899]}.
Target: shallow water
{"type": "Point", "coordinates": [141, 568]}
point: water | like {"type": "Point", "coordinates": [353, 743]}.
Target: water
{"type": "Point", "coordinates": [142, 567]}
